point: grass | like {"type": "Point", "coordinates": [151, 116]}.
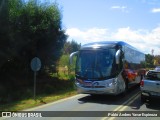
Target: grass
{"type": "Point", "coordinates": [43, 99]}
{"type": "Point", "coordinates": [63, 76]}
{"type": "Point", "coordinates": [49, 91]}
{"type": "Point", "coordinates": [45, 96]}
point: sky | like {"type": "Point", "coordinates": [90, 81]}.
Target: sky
{"type": "Point", "coordinates": [136, 22]}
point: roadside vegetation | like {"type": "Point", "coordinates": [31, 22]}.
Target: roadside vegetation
{"type": "Point", "coordinates": [34, 29]}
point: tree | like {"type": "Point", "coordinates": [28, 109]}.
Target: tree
{"type": "Point", "coordinates": [71, 46]}
{"type": "Point", "coordinates": [157, 60]}
{"type": "Point", "coordinates": [4, 40]}
{"type": "Point", "coordinates": [149, 61]}
{"type": "Point", "coordinates": [28, 29]}
{"type": "Point", "coordinates": [33, 30]}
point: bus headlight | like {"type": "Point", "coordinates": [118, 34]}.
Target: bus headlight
{"type": "Point", "coordinates": [79, 82]}
{"type": "Point", "coordinates": [111, 82]}
{"type": "Point", "coordinates": [114, 81]}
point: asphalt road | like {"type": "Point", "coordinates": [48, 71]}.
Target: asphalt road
{"type": "Point", "coordinates": [87, 107]}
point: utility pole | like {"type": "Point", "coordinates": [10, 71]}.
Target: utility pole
{"type": "Point", "coordinates": [152, 52]}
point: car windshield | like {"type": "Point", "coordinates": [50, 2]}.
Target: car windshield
{"type": "Point", "coordinates": [153, 75]}
{"type": "Point", "coordinates": [95, 64]}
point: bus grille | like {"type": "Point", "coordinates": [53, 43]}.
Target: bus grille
{"type": "Point", "coordinates": [94, 86]}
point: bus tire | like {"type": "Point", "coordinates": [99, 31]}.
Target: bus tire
{"type": "Point", "coordinates": [126, 89]}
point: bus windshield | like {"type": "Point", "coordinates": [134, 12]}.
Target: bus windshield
{"type": "Point", "coordinates": [95, 64]}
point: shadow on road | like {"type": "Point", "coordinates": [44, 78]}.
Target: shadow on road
{"type": "Point", "coordinates": [120, 99]}
{"type": "Point", "coordinates": [109, 99]}
{"type": "Point", "coordinates": [153, 104]}
{"type": "Point", "coordinates": [150, 105]}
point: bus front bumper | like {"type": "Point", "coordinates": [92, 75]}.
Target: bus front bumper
{"type": "Point", "coordinates": [105, 90]}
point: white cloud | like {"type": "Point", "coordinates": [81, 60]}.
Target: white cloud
{"type": "Point", "coordinates": [121, 8]}
{"type": "Point", "coordinates": [142, 39]}
{"type": "Point", "coordinates": [118, 7]}
{"type": "Point", "coordinates": [90, 35]}
{"type": "Point", "coordinates": [150, 2]}
{"type": "Point", "coordinates": [74, 32]}
{"type": "Point", "coordinates": [127, 34]}
{"type": "Point", "coordinates": [155, 10]}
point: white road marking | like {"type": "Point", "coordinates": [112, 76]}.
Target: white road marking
{"type": "Point", "coordinates": [123, 106]}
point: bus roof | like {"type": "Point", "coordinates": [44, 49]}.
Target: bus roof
{"type": "Point", "coordinates": [106, 44]}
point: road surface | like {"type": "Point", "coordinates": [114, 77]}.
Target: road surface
{"type": "Point", "coordinates": [87, 107]}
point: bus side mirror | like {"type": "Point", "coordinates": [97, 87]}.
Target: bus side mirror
{"type": "Point", "coordinates": [71, 57]}
{"type": "Point", "coordinates": [118, 53]}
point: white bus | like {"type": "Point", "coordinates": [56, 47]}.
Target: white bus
{"type": "Point", "coordinates": [109, 67]}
